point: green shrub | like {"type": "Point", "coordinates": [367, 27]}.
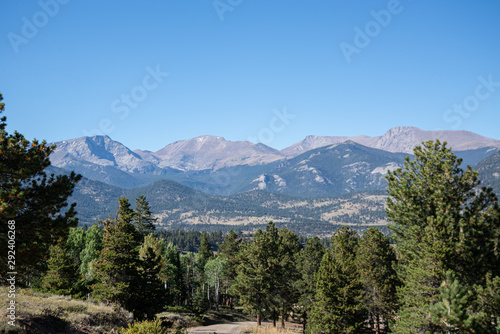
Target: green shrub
{"type": "Point", "coordinates": [145, 327]}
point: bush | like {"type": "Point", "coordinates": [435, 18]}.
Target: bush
{"type": "Point", "coordinates": [145, 327]}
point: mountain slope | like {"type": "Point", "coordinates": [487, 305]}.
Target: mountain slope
{"type": "Point", "coordinates": [489, 172]}
{"type": "Point", "coordinates": [179, 207]}
{"type": "Point", "coordinates": [331, 170]}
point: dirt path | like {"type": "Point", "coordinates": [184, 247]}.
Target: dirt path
{"type": "Point", "coordinates": [226, 328]}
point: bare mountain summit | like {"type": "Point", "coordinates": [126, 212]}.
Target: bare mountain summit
{"type": "Point", "coordinates": [211, 152]}
{"type": "Point", "coordinates": [399, 139]}
{"type": "Point", "coordinates": [100, 151]}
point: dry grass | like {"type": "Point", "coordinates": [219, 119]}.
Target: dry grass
{"type": "Point", "coordinates": [268, 329]}
{"type": "Point", "coordinates": [40, 312]}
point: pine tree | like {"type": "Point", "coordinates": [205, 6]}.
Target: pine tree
{"type": "Point", "coordinates": [229, 251]}
{"type": "Point", "coordinates": [286, 274]}
{"type": "Point", "coordinates": [308, 263]}
{"type": "Point", "coordinates": [174, 274]}
{"type": "Point", "coordinates": [62, 274]}
{"type": "Point", "coordinates": [158, 247]}
{"type": "Point", "coordinates": [451, 309]}
{"type": "Point", "coordinates": [255, 280]}
{"type": "Point", "coordinates": [34, 200]}
{"type": "Point", "coordinates": [376, 261]}
{"type": "Point", "coordinates": [442, 221]}
{"type": "Point", "coordinates": [151, 295]}
{"type": "Point", "coordinates": [338, 302]}
{"type": "Point", "coordinates": [143, 217]}
{"type": "Point", "coordinates": [204, 251]}
{"type": "Point", "coordinates": [118, 262]}
{"type": "Point", "coordinates": [485, 308]}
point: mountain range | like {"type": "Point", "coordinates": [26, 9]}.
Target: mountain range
{"type": "Point", "coordinates": [208, 182]}
{"type": "Point", "coordinates": [316, 166]}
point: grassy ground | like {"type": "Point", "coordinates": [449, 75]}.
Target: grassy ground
{"type": "Point", "coordinates": [44, 313]}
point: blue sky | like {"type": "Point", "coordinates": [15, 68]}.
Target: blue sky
{"type": "Point", "coordinates": [148, 73]}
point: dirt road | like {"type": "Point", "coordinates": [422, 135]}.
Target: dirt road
{"type": "Point", "coordinates": [226, 328]}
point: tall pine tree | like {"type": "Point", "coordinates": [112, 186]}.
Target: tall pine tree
{"type": "Point", "coordinates": [32, 198]}
{"type": "Point", "coordinates": [287, 274]}
{"type": "Point", "coordinates": [308, 263]}
{"type": "Point", "coordinates": [442, 221]}
{"type": "Point", "coordinates": [118, 262]}
{"type": "Point", "coordinates": [229, 252]}
{"type": "Point", "coordinates": [152, 297]}
{"type": "Point", "coordinates": [143, 217]}
{"type": "Point", "coordinates": [205, 252]}
{"type": "Point", "coordinates": [255, 281]}
{"type": "Point", "coordinates": [376, 261]}
{"type": "Point", "coordinates": [338, 304]}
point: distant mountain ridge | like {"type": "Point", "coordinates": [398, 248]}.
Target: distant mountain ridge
{"type": "Point", "coordinates": [221, 167]}
{"type": "Point", "coordinates": [399, 139]}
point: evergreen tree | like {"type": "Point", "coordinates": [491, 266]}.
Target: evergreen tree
{"type": "Point", "coordinates": [173, 274]}
{"type": "Point", "coordinates": [205, 252]}
{"type": "Point", "coordinates": [117, 266]}
{"type": "Point", "coordinates": [308, 263]}
{"type": "Point", "coordinates": [286, 274]}
{"type": "Point", "coordinates": [34, 200]}
{"type": "Point", "coordinates": [151, 295]}
{"type": "Point", "coordinates": [255, 280]}
{"type": "Point", "coordinates": [229, 251]}
{"type": "Point", "coordinates": [338, 304]}
{"type": "Point", "coordinates": [158, 248]}
{"type": "Point", "coordinates": [485, 308]}
{"type": "Point", "coordinates": [451, 309]}
{"type": "Point", "coordinates": [204, 255]}
{"type": "Point", "coordinates": [143, 217]}
{"type": "Point", "coordinates": [442, 221]}
{"type": "Point", "coordinates": [376, 262]}
{"type": "Point", "coordinates": [62, 274]}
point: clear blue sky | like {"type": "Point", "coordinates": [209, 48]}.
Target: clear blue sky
{"type": "Point", "coordinates": [69, 68]}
